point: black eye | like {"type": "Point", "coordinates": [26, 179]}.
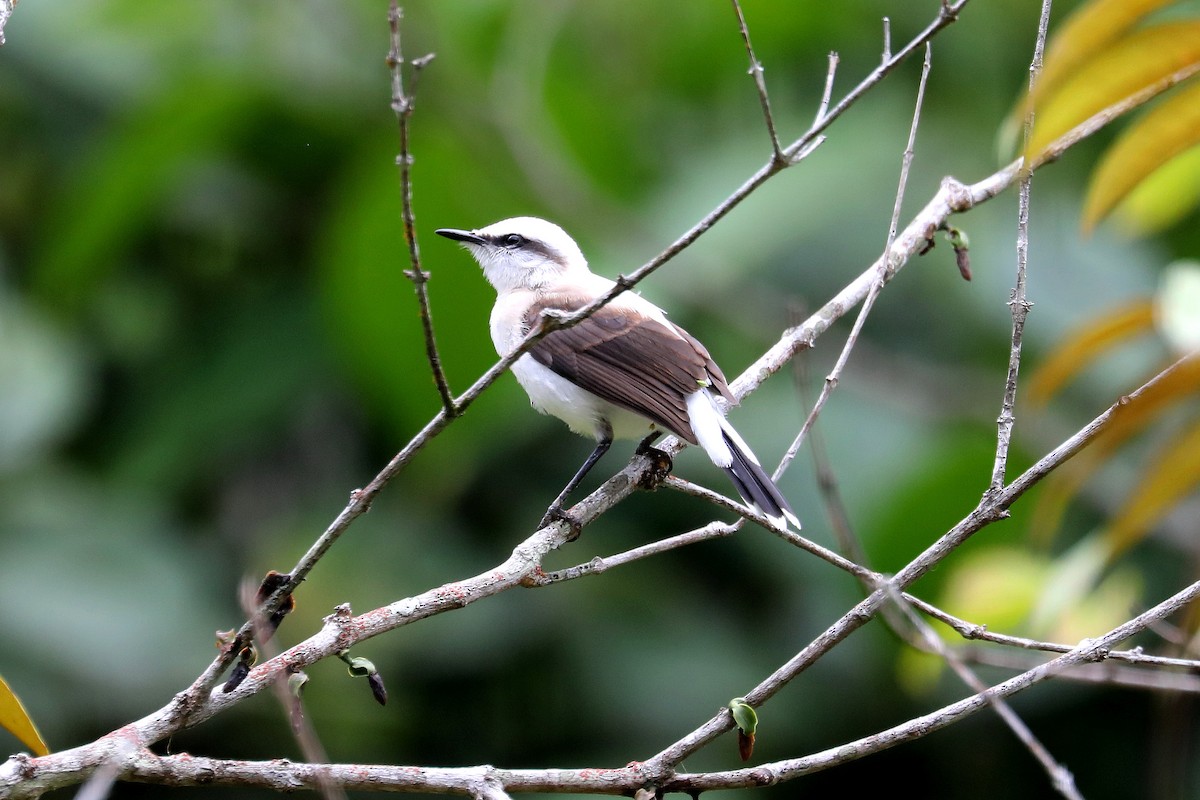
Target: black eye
{"type": "Point", "coordinates": [513, 240]}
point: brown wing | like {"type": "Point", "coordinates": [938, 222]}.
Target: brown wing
{"type": "Point", "coordinates": [629, 360]}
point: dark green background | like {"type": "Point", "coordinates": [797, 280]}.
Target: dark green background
{"type": "Point", "coordinates": [206, 342]}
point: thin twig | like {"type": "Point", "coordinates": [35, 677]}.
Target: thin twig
{"type": "Point", "coordinates": [1112, 672]}
{"type": "Point", "coordinates": [827, 92]}
{"type": "Point", "coordinates": [403, 104]}
{"type": "Point", "coordinates": [977, 632]}
{"type": "Point", "coordinates": [789, 536]}
{"type": "Point", "coordinates": [837, 513]}
{"type": "Point", "coordinates": [886, 270]}
{"type": "Point", "coordinates": [598, 564]}
{"type": "Point", "coordinates": [756, 71]}
{"type": "Point", "coordinates": [1018, 303]}
{"type": "Point", "coordinates": [827, 484]}
{"type": "Point", "coordinates": [946, 15]}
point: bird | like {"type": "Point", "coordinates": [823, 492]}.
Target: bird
{"type": "Point", "coordinates": [624, 372]}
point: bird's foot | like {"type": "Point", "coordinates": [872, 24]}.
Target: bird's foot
{"type": "Point", "coordinates": [644, 446]}
{"type": "Point", "coordinates": [657, 470]}
{"type": "Point", "coordinates": [555, 513]}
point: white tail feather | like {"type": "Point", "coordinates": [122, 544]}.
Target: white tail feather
{"type": "Point", "coordinates": [707, 423]}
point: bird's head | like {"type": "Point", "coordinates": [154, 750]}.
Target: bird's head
{"type": "Point", "coordinates": [521, 253]}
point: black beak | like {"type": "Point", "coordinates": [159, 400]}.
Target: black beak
{"type": "Point", "coordinates": [461, 236]}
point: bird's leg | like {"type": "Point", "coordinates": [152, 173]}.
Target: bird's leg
{"type": "Point", "coordinates": [555, 511]}
{"type": "Point", "coordinates": [660, 463]}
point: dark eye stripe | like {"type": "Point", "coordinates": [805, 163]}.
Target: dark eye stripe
{"type": "Point", "coordinates": [515, 241]}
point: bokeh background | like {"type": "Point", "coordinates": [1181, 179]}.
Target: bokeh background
{"type": "Point", "coordinates": [206, 342]}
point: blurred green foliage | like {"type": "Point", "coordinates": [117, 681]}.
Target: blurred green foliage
{"type": "Point", "coordinates": [206, 342]}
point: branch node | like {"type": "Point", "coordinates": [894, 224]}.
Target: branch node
{"type": "Point", "coordinates": [658, 467]}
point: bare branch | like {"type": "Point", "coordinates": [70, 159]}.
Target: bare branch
{"type": "Point", "coordinates": [598, 564]}
{"type": "Point", "coordinates": [1104, 116]}
{"type": "Point", "coordinates": [974, 631]}
{"type": "Point", "coordinates": [827, 93]}
{"type": "Point", "coordinates": [953, 197]}
{"type": "Point", "coordinates": [360, 500]}
{"type": "Point", "coordinates": [1018, 304]}
{"type": "Point", "coordinates": [756, 71]}
{"type": "Point", "coordinates": [342, 630]}
{"type": "Point", "coordinates": [1110, 673]}
{"type": "Point", "coordinates": [403, 104]}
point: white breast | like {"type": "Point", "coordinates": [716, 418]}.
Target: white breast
{"type": "Point", "coordinates": [549, 392]}
{"type": "Point", "coordinates": [584, 412]}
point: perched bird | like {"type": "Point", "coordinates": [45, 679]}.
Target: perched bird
{"type": "Point", "coordinates": [624, 372]}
